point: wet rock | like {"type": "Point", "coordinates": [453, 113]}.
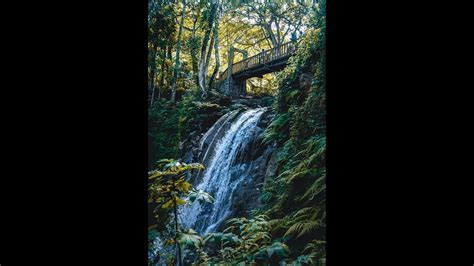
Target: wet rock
{"type": "Point", "coordinates": [272, 165]}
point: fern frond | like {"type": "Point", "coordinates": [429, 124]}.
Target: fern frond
{"type": "Point", "coordinates": [304, 212]}
{"type": "Point", "coordinates": [301, 228]}
{"type": "Point", "coordinates": [297, 175]}
{"type": "Point", "coordinates": [308, 227]}
{"type": "Point", "coordinates": [317, 187]}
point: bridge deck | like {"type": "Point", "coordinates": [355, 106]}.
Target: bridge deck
{"type": "Point", "coordinates": [265, 62]}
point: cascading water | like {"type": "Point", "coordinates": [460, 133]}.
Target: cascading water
{"type": "Point", "coordinates": [226, 169]}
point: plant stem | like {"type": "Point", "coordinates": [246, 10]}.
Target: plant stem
{"type": "Point", "coordinates": [175, 212]}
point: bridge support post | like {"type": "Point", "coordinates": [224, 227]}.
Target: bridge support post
{"type": "Point", "coordinates": [230, 62]}
{"type": "Point", "coordinates": [230, 86]}
{"type": "Point", "coordinates": [240, 87]}
{"type": "Point", "coordinates": [233, 87]}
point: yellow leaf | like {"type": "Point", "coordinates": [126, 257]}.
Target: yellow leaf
{"type": "Point", "coordinates": [167, 204]}
{"type": "Point", "coordinates": [180, 201]}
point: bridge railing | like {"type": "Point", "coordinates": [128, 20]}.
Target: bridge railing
{"type": "Point", "coordinates": [264, 57]}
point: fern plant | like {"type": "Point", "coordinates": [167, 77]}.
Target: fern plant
{"type": "Point", "coordinates": [295, 196]}
{"type": "Point", "coordinates": [247, 241]}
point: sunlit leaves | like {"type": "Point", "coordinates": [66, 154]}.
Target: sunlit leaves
{"type": "Point", "coordinates": [176, 168]}
{"type": "Point", "coordinates": [169, 184]}
{"type": "Point", "coordinates": [168, 189]}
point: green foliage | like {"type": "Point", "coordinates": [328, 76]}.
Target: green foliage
{"type": "Point", "coordinates": [278, 248]}
{"type": "Point", "coordinates": [170, 124]}
{"type": "Point", "coordinates": [161, 37]}
{"type": "Point", "coordinates": [247, 241]}
{"type": "Point", "coordinates": [168, 189]}
{"type": "Point", "coordinates": [295, 197]}
{"type": "Point", "coordinates": [196, 115]}
{"type": "Point", "coordinates": [190, 239]}
{"type": "Point", "coordinates": [168, 185]}
{"type": "Point", "coordinates": [303, 221]}
{"type": "Point", "coordinates": [278, 129]}
{"type": "Point", "coordinates": [163, 132]}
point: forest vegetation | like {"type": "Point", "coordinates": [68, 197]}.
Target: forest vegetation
{"type": "Point", "coordinates": [188, 46]}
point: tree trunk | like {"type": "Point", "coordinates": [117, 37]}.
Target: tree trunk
{"type": "Point", "coordinates": [202, 73]}
{"type": "Point", "coordinates": [152, 65]}
{"type": "Point", "coordinates": [169, 56]}
{"type": "Point", "coordinates": [152, 88]}
{"type": "Point", "coordinates": [194, 54]}
{"type": "Point", "coordinates": [154, 73]}
{"type": "Point", "coordinates": [209, 52]}
{"type": "Point", "coordinates": [278, 33]}
{"type": "Point", "coordinates": [178, 50]}
{"type": "Point", "coordinates": [151, 76]}
{"type": "Point", "coordinates": [268, 29]}
{"type": "Point", "coordinates": [216, 46]}
{"type": "Point", "coordinates": [163, 71]}
{"type": "Point", "coordinates": [170, 52]}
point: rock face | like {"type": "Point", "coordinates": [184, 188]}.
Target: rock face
{"type": "Point", "coordinates": [258, 156]}
{"type": "Point", "coordinates": [236, 163]}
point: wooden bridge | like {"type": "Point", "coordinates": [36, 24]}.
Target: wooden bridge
{"type": "Point", "coordinates": [233, 80]}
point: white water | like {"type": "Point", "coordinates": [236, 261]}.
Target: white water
{"type": "Point", "coordinates": [223, 173]}
{"type": "Point", "coordinates": [225, 119]}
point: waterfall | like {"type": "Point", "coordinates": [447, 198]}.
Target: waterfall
{"type": "Point", "coordinates": [225, 170]}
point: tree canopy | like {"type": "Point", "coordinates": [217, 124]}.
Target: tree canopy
{"type": "Point", "coordinates": [189, 40]}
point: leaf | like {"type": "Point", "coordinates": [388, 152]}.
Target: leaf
{"type": "Point", "coordinates": [279, 248]}
{"type": "Point", "coordinates": [200, 196]}
{"type": "Point", "coordinates": [179, 201]}
{"type": "Point", "coordinates": [317, 187]}
{"type": "Point", "coordinates": [270, 251]}
{"type": "Point", "coordinates": [190, 239]}
{"type": "Point", "coordinates": [218, 237]}
{"type": "Point", "coordinates": [167, 204]}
